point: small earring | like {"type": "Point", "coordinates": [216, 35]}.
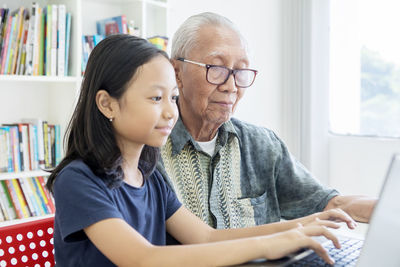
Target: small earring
{"type": "Point", "coordinates": [111, 119]}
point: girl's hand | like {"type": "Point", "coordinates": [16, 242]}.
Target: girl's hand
{"type": "Point", "coordinates": [327, 218]}
{"type": "Point", "coordinates": [284, 243]}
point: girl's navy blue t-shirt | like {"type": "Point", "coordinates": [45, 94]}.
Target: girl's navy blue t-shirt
{"type": "Point", "coordinates": [82, 199]}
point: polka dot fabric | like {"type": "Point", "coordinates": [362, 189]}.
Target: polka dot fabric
{"type": "Point", "coordinates": [27, 244]}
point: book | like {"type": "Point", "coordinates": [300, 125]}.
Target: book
{"type": "Point", "coordinates": [14, 199]}
{"type": "Point", "coordinates": [4, 149]}
{"type": "Point", "coordinates": [16, 41]}
{"type": "Point", "coordinates": [40, 139]}
{"type": "Point", "coordinates": [21, 198]}
{"type": "Point", "coordinates": [3, 27]}
{"type": "Point", "coordinates": [57, 148]}
{"type": "Point", "coordinates": [36, 194]}
{"type": "Point", "coordinates": [50, 202]}
{"type": "Point", "coordinates": [5, 198]}
{"type": "Point", "coordinates": [22, 45]}
{"type": "Point", "coordinates": [11, 42]}
{"type": "Point", "coordinates": [28, 194]}
{"type": "Point", "coordinates": [53, 51]}
{"type": "Point", "coordinates": [14, 143]}
{"type": "Point", "coordinates": [67, 41]}
{"type": "Point", "coordinates": [61, 40]}
{"type": "Point", "coordinates": [30, 40]}
{"type": "Point", "coordinates": [113, 25]}
{"type": "Point", "coordinates": [40, 195]}
{"type": "Point", "coordinates": [48, 39]}
{"type": "Point", "coordinates": [36, 42]}
{"type": "Point", "coordinates": [8, 40]}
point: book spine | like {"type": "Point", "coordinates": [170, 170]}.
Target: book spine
{"type": "Point", "coordinates": [21, 198]}
{"type": "Point", "coordinates": [28, 196]}
{"type": "Point", "coordinates": [57, 144]}
{"type": "Point", "coordinates": [3, 150]}
{"type": "Point", "coordinates": [46, 144]}
{"type": "Point", "coordinates": [21, 148]}
{"type": "Point", "coordinates": [53, 59]}
{"type": "Point", "coordinates": [20, 27]}
{"type": "Point", "coordinates": [67, 41]}
{"type": "Point", "coordinates": [36, 194]}
{"type": "Point", "coordinates": [5, 43]}
{"type": "Point", "coordinates": [14, 199]}
{"type": "Point", "coordinates": [48, 39]}
{"type": "Point", "coordinates": [36, 184]}
{"type": "Point", "coordinates": [61, 40]}
{"type": "Point", "coordinates": [6, 199]}
{"type": "Point", "coordinates": [22, 48]}
{"type": "Point", "coordinates": [30, 41]}
{"type": "Point", "coordinates": [50, 203]}
{"type": "Point", "coordinates": [36, 42]}
{"type": "Point", "coordinates": [4, 67]}
{"type": "Point", "coordinates": [42, 42]}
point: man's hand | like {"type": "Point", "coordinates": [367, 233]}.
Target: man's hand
{"type": "Point", "coordinates": [358, 207]}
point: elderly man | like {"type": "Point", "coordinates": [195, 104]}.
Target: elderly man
{"type": "Point", "coordinates": [230, 173]}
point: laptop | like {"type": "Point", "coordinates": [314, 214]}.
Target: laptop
{"type": "Point", "coordinates": [381, 246]}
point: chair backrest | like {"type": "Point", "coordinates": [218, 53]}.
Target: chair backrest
{"type": "Point", "coordinates": [28, 244]}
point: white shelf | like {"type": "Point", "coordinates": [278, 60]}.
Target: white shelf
{"type": "Point", "coordinates": [44, 79]}
{"type": "Point", "coordinates": [30, 219]}
{"type": "Point", "coordinates": [13, 175]}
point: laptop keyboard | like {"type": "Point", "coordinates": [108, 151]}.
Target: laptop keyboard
{"type": "Point", "coordinates": [346, 256]}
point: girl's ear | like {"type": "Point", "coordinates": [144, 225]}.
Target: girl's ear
{"type": "Point", "coordinates": [177, 67]}
{"type": "Point", "coordinates": [105, 103]}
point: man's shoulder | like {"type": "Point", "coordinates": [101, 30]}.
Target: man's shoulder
{"type": "Point", "coordinates": [248, 132]}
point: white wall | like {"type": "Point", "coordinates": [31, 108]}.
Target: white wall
{"type": "Point", "coordinates": [260, 23]}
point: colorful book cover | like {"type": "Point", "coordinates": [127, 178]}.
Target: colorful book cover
{"type": "Point", "coordinates": [21, 198]}
{"type": "Point", "coordinates": [30, 40]}
{"type": "Point", "coordinates": [6, 200]}
{"type": "Point", "coordinates": [53, 58]}
{"type": "Point", "coordinates": [61, 40]}
{"type": "Point", "coordinates": [50, 203]}
{"type": "Point", "coordinates": [3, 27]}
{"type": "Point", "coordinates": [14, 199]}
{"type": "Point", "coordinates": [67, 41]}
{"type": "Point", "coordinates": [22, 44]}
{"type": "Point", "coordinates": [40, 193]}
{"type": "Point", "coordinates": [40, 139]}
{"type": "Point", "coordinates": [57, 144]}
{"type": "Point", "coordinates": [48, 39]}
{"type": "Point", "coordinates": [36, 194]}
{"type": "Point", "coordinates": [17, 40]}
{"type": "Point", "coordinates": [6, 58]}
{"type": "Point", "coordinates": [36, 46]}
{"type": "Point", "coordinates": [16, 155]}
{"type": "Point", "coordinates": [4, 47]}
{"type": "Point", "coordinates": [4, 149]}
{"type": "Point", "coordinates": [28, 196]}
{"type": "Point", "coordinates": [8, 144]}
{"type": "Point", "coordinates": [112, 25]}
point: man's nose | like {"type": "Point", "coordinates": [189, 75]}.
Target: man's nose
{"type": "Point", "coordinates": [229, 85]}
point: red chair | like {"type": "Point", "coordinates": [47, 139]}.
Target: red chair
{"type": "Point", "coordinates": [28, 244]}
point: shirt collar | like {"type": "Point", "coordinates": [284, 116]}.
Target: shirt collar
{"type": "Point", "coordinates": [180, 136]}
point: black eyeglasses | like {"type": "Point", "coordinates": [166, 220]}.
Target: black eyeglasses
{"type": "Point", "coordinates": [218, 75]}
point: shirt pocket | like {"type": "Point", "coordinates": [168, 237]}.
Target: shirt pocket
{"type": "Point", "coordinates": [254, 209]}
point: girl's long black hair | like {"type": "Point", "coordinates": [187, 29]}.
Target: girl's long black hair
{"type": "Point", "coordinates": [90, 135]}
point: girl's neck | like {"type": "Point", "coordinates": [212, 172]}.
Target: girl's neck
{"type": "Point", "coordinates": [132, 175]}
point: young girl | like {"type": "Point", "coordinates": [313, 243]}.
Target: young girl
{"type": "Point", "coordinates": [113, 208]}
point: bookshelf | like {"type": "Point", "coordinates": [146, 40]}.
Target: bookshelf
{"type": "Point", "coordinates": [53, 98]}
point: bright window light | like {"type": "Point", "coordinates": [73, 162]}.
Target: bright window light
{"type": "Point", "coordinates": [365, 67]}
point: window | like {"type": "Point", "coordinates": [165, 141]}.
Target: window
{"type": "Point", "coordinates": [365, 67]}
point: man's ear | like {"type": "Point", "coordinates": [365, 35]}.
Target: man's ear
{"type": "Point", "coordinates": [105, 103]}
{"type": "Point", "coordinates": [178, 72]}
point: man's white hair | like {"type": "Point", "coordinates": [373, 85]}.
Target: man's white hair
{"type": "Point", "coordinates": [185, 37]}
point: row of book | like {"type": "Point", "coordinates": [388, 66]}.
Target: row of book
{"type": "Point", "coordinates": [36, 41]}
{"type": "Point", "coordinates": [32, 144]}
{"type": "Point", "coordinates": [25, 197]}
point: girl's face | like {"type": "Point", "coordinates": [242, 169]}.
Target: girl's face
{"type": "Point", "coordinates": [147, 111]}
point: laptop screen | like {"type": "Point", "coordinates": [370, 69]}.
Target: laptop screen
{"type": "Point", "coordinates": [382, 243]}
